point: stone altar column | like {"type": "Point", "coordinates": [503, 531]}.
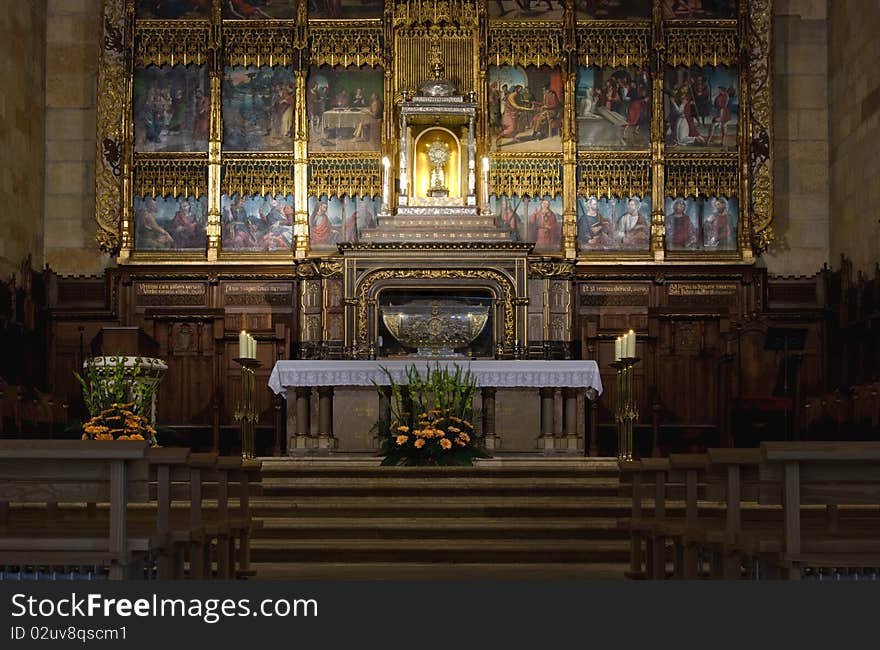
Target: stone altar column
{"type": "Point", "coordinates": [384, 416]}
{"type": "Point", "coordinates": [326, 441]}
{"type": "Point", "coordinates": [490, 440]}
{"type": "Point", "coordinates": [546, 441]}
{"type": "Point", "coordinates": [569, 441]}
{"type": "Point", "coordinates": [302, 439]}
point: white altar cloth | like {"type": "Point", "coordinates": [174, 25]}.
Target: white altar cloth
{"type": "Point", "coordinates": [489, 373]}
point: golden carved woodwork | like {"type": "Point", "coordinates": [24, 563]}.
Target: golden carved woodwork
{"type": "Point", "coordinates": [614, 175]}
{"type": "Point", "coordinates": [760, 27]}
{"type": "Point", "coordinates": [170, 177]}
{"type": "Point", "coordinates": [344, 44]}
{"type": "Point", "coordinates": [417, 12]}
{"type": "Point", "coordinates": [246, 45]}
{"type": "Point", "coordinates": [525, 43]}
{"type": "Point", "coordinates": [170, 42]}
{"type": "Point", "coordinates": [613, 44]}
{"type": "Point", "coordinates": [468, 43]}
{"type": "Point", "coordinates": [535, 175]}
{"type": "Point", "coordinates": [338, 174]}
{"type": "Point", "coordinates": [550, 269]}
{"type": "Point", "coordinates": [703, 176]}
{"type": "Point", "coordinates": [412, 66]}
{"type": "Point", "coordinates": [257, 176]}
{"type": "Point", "coordinates": [113, 141]}
{"type": "Point", "coordinates": [366, 283]}
{"type": "Point", "coordinates": [702, 45]}
{"type": "Point", "coordinates": [319, 268]}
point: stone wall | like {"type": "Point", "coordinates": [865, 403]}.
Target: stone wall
{"type": "Point", "coordinates": [22, 62]}
{"type": "Point", "coordinates": [72, 41]}
{"type": "Point", "coordinates": [801, 184]}
{"type": "Point", "coordinates": [854, 109]}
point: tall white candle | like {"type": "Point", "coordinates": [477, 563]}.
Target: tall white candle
{"type": "Point", "coordinates": [253, 354]}
{"type": "Point", "coordinates": [485, 181]}
{"type": "Point", "coordinates": [386, 180]}
{"type": "Point", "coordinates": [618, 344]}
{"type": "Point", "coordinates": [242, 345]}
{"type": "Point", "coordinates": [631, 345]}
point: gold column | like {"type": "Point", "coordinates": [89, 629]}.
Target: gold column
{"type": "Point", "coordinates": [301, 142]}
{"type": "Point", "coordinates": [743, 131]}
{"type": "Point", "coordinates": [658, 133]}
{"type": "Point", "coordinates": [569, 139]}
{"type": "Point", "coordinates": [126, 138]}
{"type": "Point", "coordinates": [389, 120]}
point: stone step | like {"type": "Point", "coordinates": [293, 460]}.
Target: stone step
{"type": "Point", "coordinates": [435, 234]}
{"type": "Point", "coordinates": [446, 485]}
{"type": "Point", "coordinates": [439, 550]}
{"type": "Point", "coordinates": [435, 571]}
{"type": "Point", "coordinates": [499, 466]}
{"type": "Point", "coordinates": [438, 527]}
{"type": "Point", "coordinates": [470, 221]}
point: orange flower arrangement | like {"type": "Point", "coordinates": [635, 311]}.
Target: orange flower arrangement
{"type": "Point", "coordinates": [119, 422]}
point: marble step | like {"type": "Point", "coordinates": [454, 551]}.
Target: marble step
{"type": "Point", "coordinates": [370, 464]}
{"type": "Point", "coordinates": [446, 484]}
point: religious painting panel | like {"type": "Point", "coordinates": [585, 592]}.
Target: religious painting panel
{"type": "Point", "coordinates": [683, 224]}
{"type": "Point", "coordinates": [701, 224]}
{"type": "Point", "coordinates": [614, 224]}
{"type": "Point", "coordinates": [612, 9]}
{"type": "Point", "coordinates": [526, 9]}
{"type": "Point", "coordinates": [525, 108]}
{"type": "Point", "coordinates": [258, 104]}
{"type": "Point", "coordinates": [169, 9]}
{"type": "Point", "coordinates": [701, 107]}
{"type": "Point", "coordinates": [165, 223]}
{"type": "Point", "coordinates": [256, 223]}
{"type": "Point", "coordinates": [336, 219]}
{"type": "Point", "coordinates": [718, 223]}
{"type": "Point", "coordinates": [171, 108]}
{"type": "Point", "coordinates": [345, 108]}
{"type": "Point", "coordinates": [259, 9]}
{"type": "Point", "coordinates": [613, 108]}
{"type": "Point", "coordinates": [698, 9]}
{"type": "Point", "coordinates": [346, 8]}
{"type": "Point", "coordinates": [535, 219]}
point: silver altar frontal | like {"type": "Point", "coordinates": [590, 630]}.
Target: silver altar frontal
{"type": "Point", "coordinates": [348, 401]}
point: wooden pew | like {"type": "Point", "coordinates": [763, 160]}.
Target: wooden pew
{"type": "Point", "coordinates": [47, 472]}
{"type": "Point", "coordinates": [799, 475]}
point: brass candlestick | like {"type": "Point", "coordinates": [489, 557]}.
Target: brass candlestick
{"type": "Point", "coordinates": [246, 411]}
{"type": "Point", "coordinates": [626, 409]}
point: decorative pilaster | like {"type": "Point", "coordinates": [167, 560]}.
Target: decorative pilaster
{"type": "Point", "coordinates": [658, 134]}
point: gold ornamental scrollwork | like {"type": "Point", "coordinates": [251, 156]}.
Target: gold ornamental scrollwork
{"type": "Point", "coordinates": [550, 269]}
{"type": "Point", "coordinates": [345, 45]}
{"type": "Point", "coordinates": [257, 176]}
{"type": "Point", "coordinates": [614, 44]}
{"type": "Point", "coordinates": [319, 269]}
{"type": "Point", "coordinates": [366, 284]}
{"type": "Point", "coordinates": [760, 25]}
{"type": "Point", "coordinates": [702, 45]}
{"type": "Point", "coordinates": [246, 45]}
{"type": "Point", "coordinates": [614, 175]}
{"type": "Point", "coordinates": [170, 177]}
{"type": "Point", "coordinates": [111, 138]}
{"type": "Point", "coordinates": [525, 43]}
{"type": "Point", "coordinates": [338, 174]}
{"type": "Point", "coordinates": [705, 176]}
{"type": "Point", "coordinates": [420, 12]}
{"type": "Point", "coordinates": [171, 42]}
{"type": "Point", "coordinates": [525, 174]}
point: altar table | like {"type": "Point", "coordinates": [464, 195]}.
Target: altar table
{"type": "Point", "coordinates": [296, 379]}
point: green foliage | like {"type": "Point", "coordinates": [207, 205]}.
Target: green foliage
{"type": "Point", "coordinates": [115, 383]}
{"type": "Point", "coordinates": [431, 418]}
